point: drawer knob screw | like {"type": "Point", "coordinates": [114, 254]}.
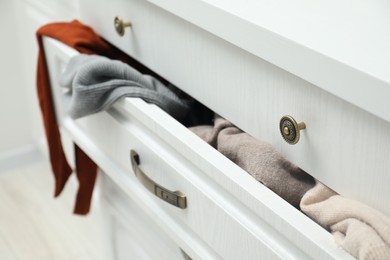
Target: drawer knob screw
{"type": "Point", "coordinates": [286, 130]}
{"type": "Point", "coordinates": [290, 129]}
{"type": "Point", "coordinates": [120, 25]}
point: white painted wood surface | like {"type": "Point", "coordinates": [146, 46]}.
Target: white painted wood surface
{"type": "Point", "coordinates": [57, 56]}
{"type": "Point", "coordinates": [132, 233]}
{"type": "Point", "coordinates": [343, 146]}
{"type": "Point", "coordinates": [213, 214]}
{"type": "Point", "coordinates": [340, 47]}
{"type": "Point", "coordinates": [176, 231]}
{"type": "Point", "coordinates": [228, 211]}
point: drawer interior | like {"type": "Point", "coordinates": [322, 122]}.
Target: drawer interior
{"type": "Point", "coordinates": [254, 207]}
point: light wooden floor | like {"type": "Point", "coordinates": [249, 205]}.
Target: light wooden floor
{"type": "Point", "coordinates": [35, 226]}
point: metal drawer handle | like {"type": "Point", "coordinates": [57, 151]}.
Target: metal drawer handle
{"type": "Point", "coordinates": [290, 129]}
{"type": "Point", "coordinates": [120, 25]}
{"type": "Point", "coordinates": [176, 198]}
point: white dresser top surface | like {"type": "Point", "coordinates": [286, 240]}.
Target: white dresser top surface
{"type": "Point", "coordinates": [341, 46]}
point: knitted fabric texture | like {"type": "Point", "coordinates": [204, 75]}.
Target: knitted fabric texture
{"type": "Point", "coordinates": [258, 158]}
{"type": "Point", "coordinates": [96, 82]}
{"type": "Point", "coordinates": [361, 230]}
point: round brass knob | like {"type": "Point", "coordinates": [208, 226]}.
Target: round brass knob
{"type": "Point", "coordinates": [120, 25]}
{"type": "Point", "coordinates": [290, 129]}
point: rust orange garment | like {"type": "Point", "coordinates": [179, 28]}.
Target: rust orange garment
{"type": "Point", "coordinates": [85, 40]}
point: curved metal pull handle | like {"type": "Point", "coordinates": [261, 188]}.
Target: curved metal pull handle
{"type": "Point", "coordinates": [176, 198]}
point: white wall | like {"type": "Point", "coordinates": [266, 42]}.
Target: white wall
{"type": "Point", "coordinates": [20, 120]}
{"type": "Point", "coordinates": [15, 128]}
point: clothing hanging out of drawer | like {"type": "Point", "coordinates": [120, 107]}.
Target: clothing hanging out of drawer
{"type": "Point", "coordinates": [95, 82]}
{"type": "Point", "coordinates": [225, 63]}
{"type": "Point", "coordinates": [85, 40]}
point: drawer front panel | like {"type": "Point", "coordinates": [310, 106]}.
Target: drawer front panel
{"type": "Point", "coordinates": [212, 214]}
{"type": "Point", "coordinates": [203, 215]}
{"type": "Point", "coordinates": [57, 56]}
{"type": "Point", "coordinates": [342, 145]}
{"type": "Point", "coordinates": [132, 234]}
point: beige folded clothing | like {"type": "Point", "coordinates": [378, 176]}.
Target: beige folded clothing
{"type": "Point", "coordinates": [361, 230]}
{"type": "Point", "coordinates": [259, 159]}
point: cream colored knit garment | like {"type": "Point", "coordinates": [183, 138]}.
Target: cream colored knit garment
{"type": "Point", "coordinates": [361, 230]}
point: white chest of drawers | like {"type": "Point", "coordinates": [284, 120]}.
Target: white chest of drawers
{"type": "Point", "coordinates": [229, 215]}
{"type": "Point", "coordinates": [343, 146]}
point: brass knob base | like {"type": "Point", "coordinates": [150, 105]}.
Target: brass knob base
{"type": "Point", "coordinates": [290, 129]}
{"type": "Point", "coordinates": [120, 25]}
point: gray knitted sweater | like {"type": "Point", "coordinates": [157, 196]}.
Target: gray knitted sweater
{"type": "Point", "coordinates": [96, 82]}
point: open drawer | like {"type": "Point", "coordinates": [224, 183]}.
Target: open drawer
{"type": "Point", "coordinates": [343, 146]}
{"type": "Point", "coordinates": [228, 214]}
